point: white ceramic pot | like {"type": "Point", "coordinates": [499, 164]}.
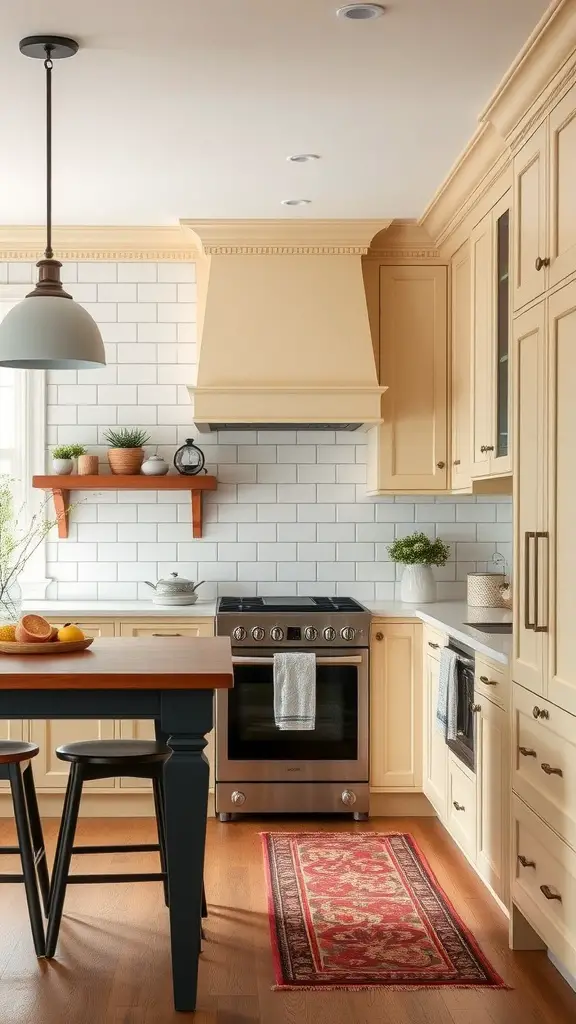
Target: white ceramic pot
{"type": "Point", "coordinates": [418, 584]}
{"type": "Point", "coordinates": [62, 467]}
{"type": "Point", "coordinates": [155, 466]}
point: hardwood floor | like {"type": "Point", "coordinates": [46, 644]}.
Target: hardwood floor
{"type": "Point", "coordinates": [112, 965]}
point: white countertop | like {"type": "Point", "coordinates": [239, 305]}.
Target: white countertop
{"type": "Point", "coordinates": [120, 609]}
{"type": "Point", "coordinates": [451, 616]}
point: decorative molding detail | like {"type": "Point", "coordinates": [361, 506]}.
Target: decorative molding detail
{"type": "Point", "coordinates": [538, 113]}
{"type": "Point", "coordinates": [99, 243]}
{"type": "Point", "coordinates": [284, 237]}
{"type": "Point", "coordinates": [406, 254]}
{"type": "Point", "coordinates": [116, 255]}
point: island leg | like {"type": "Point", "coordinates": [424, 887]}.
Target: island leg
{"type": "Point", "coordinates": [186, 717]}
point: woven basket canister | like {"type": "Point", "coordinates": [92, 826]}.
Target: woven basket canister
{"type": "Point", "coordinates": [484, 589]}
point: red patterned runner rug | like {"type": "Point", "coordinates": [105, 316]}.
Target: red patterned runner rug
{"type": "Point", "coordinates": [363, 910]}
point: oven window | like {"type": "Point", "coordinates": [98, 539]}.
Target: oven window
{"type": "Point", "coordinates": [253, 735]}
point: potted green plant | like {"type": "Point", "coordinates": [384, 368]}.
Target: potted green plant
{"type": "Point", "coordinates": [418, 553]}
{"type": "Point", "coordinates": [126, 451]}
{"type": "Point", "coordinates": [63, 457]}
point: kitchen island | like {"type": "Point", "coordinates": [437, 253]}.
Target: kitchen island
{"type": "Point", "coordinates": [135, 678]}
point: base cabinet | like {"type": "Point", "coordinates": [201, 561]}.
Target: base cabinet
{"type": "Point", "coordinates": [395, 706]}
{"type": "Point", "coordinates": [435, 782]}
{"type": "Point", "coordinates": [493, 796]}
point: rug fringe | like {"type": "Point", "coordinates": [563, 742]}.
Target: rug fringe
{"type": "Point", "coordinates": [390, 988]}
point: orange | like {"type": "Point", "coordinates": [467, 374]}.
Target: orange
{"type": "Point", "coordinates": [8, 633]}
{"type": "Point", "coordinates": [68, 633]}
{"type": "Point", "coordinates": [33, 629]}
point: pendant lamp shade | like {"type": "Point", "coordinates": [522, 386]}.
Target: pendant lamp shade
{"type": "Point", "coordinates": [49, 332]}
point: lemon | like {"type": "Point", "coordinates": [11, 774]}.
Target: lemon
{"type": "Point", "coordinates": [8, 633]}
{"type": "Point", "coordinates": [69, 632]}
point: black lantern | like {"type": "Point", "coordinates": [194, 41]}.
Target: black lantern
{"type": "Point", "coordinates": [189, 460]}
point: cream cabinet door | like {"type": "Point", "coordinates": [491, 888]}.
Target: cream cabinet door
{"type": "Point", "coordinates": [529, 369]}
{"type": "Point", "coordinates": [493, 787]}
{"type": "Point", "coordinates": [557, 551]}
{"type": "Point", "coordinates": [49, 771]}
{"type": "Point", "coordinates": [481, 431]}
{"type": "Point", "coordinates": [91, 627]}
{"type": "Point", "coordinates": [412, 448]}
{"type": "Point", "coordinates": [12, 729]}
{"type": "Point", "coordinates": [435, 782]}
{"type": "Point", "coordinates": [396, 706]}
{"type": "Point", "coordinates": [189, 627]}
{"type": "Point", "coordinates": [562, 247]}
{"type": "Point", "coordinates": [530, 218]}
{"type": "Point", "coordinates": [461, 325]}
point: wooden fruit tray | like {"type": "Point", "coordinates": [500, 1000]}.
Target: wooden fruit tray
{"type": "Point", "coordinates": [50, 647]}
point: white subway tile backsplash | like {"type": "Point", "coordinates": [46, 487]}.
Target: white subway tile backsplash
{"type": "Point", "coordinates": [114, 333]}
{"type": "Point", "coordinates": [160, 513]}
{"type": "Point", "coordinates": [317, 552]}
{"type": "Point", "coordinates": [73, 552]}
{"type": "Point", "coordinates": [137, 312]}
{"type": "Point", "coordinates": [258, 532]}
{"type": "Point", "coordinates": [337, 454]}
{"type": "Point", "coordinates": [275, 589]}
{"type": "Point", "coordinates": [123, 292]}
{"type": "Point", "coordinates": [375, 532]}
{"type": "Point", "coordinates": [234, 473]}
{"type": "Point", "coordinates": [161, 394]}
{"type": "Point", "coordinates": [118, 513]}
{"type": "Point", "coordinates": [157, 292]}
{"type": "Point", "coordinates": [137, 272]}
{"type": "Point", "coordinates": [136, 352]}
{"type": "Point", "coordinates": [97, 531]}
{"type": "Point", "coordinates": [351, 473]}
{"type": "Point", "coordinates": [296, 492]}
{"type": "Point", "coordinates": [315, 437]}
{"type": "Point", "coordinates": [237, 513]}
{"type": "Point", "coordinates": [276, 513]}
{"type": "Point", "coordinates": [217, 570]}
{"type": "Point", "coordinates": [335, 532]}
{"type": "Point", "coordinates": [76, 394]}
{"type": "Point", "coordinates": [99, 415]}
{"type": "Point", "coordinates": [257, 571]}
{"type": "Point", "coordinates": [316, 474]}
{"type": "Point", "coordinates": [355, 513]}
{"type": "Point", "coordinates": [355, 552]}
{"type": "Point", "coordinates": [296, 453]}
{"type": "Point", "coordinates": [335, 571]}
{"type": "Point", "coordinates": [254, 453]}
{"type": "Point", "coordinates": [336, 492]}
{"type": "Point", "coordinates": [382, 571]}
{"type": "Point", "coordinates": [157, 334]}
{"type": "Point", "coordinates": [97, 572]}
{"type": "Point", "coordinates": [275, 437]}
{"type": "Point", "coordinates": [106, 270]}
{"type": "Point", "coordinates": [180, 273]}
{"type": "Point", "coordinates": [239, 552]}
{"type": "Point", "coordinates": [396, 513]}
{"type": "Point", "coordinates": [177, 312]}
{"type": "Point", "coordinates": [276, 473]}
{"type": "Point", "coordinates": [476, 513]}
{"type": "Point", "coordinates": [316, 513]}
{"type": "Point", "coordinates": [256, 492]}
{"type": "Point", "coordinates": [475, 552]}
{"type": "Point", "coordinates": [280, 552]}
{"type": "Point", "coordinates": [297, 571]}
{"type": "Point", "coordinates": [436, 513]}
{"type": "Point", "coordinates": [296, 531]}
{"type": "Point", "coordinates": [117, 394]}
{"type": "Point", "coordinates": [77, 591]}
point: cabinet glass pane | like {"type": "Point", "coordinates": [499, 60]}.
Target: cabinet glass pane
{"type": "Point", "coordinates": [502, 341]}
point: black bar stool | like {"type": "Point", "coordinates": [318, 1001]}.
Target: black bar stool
{"type": "Point", "coordinates": [15, 766]}
{"type": "Point", "coordinates": [105, 759]}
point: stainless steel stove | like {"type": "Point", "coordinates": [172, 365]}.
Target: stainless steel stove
{"type": "Point", "coordinates": [260, 768]}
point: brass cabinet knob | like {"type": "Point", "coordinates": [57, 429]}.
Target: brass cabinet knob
{"type": "Point", "coordinates": [378, 636]}
{"type": "Point", "coordinates": [542, 262]}
{"type": "Point", "coordinates": [540, 712]}
{"type": "Point", "coordinates": [441, 465]}
{"type": "Point", "coordinates": [456, 462]}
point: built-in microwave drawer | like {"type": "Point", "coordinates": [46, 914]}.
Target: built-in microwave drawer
{"type": "Point", "coordinates": [492, 681]}
{"type": "Point", "coordinates": [544, 882]}
{"type": "Point", "coordinates": [461, 809]}
{"type": "Point", "coordinates": [544, 761]}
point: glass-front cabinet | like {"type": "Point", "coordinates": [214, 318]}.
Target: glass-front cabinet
{"type": "Point", "coordinates": [490, 364]}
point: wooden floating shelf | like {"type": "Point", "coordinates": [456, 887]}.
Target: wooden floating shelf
{"type": "Point", "coordinates": [62, 485]}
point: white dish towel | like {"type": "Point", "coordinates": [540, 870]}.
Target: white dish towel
{"type": "Point", "coordinates": [447, 710]}
{"type": "Point", "coordinates": [295, 690]}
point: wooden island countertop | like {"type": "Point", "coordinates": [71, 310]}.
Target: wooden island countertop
{"type": "Point", "coordinates": [120, 663]}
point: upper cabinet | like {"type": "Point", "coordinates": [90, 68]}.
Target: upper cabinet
{"type": "Point", "coordinates": [408, 452]}
{"type": "Point", "coordinates": [545, 204]}
{"type": "Point", "coordinates": [490, 450]}
{"type": "Point", "coordinates": [461, 325]}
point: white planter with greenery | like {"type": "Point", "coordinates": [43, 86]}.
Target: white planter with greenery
{"type": "Point", "coordinates": [63, 458]}
{"type": "Point", "coordinates": [417, 553]}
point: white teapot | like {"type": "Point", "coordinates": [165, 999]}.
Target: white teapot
{"type": "Point", "coordinates": [174, 590]}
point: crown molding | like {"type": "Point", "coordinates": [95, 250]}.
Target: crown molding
{"type": "Point", "coordinates": [284, 237]}
{"type": "Point", "coordinates": [91, 242]}
{"type": "Point", "coordinates": [403, 240]}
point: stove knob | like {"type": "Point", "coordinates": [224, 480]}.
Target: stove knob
{"type": "Point", "coordinates": [258, 633]}
{"type": "Point", "coordinates": [238, 798]}
{"type": "Point", "coordinates": [310, 633]}
{"type": "Point", "coordinates": [239, 633]}
{"type": "Point", "coordinates": [347, 633]}
{"type": "Point", "coordinates": [348, 797]}
{"type": "Point", "coordinates": [329, 633]}
{"type": "Point", "coordinates": [277, 633]}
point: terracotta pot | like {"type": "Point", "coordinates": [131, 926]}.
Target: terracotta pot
{"type": "Point", "coordinates": [125, 461]}
{"type": "Point", "coordinates": [87, 465]}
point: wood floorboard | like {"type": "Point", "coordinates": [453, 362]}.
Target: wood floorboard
{"type": "Point", "coordinates": [113, 961]}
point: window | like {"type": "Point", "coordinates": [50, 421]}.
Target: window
{"type": "Point", "coordinates": [10, 389]}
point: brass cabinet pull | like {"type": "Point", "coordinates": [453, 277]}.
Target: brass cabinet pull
{"type": "Point", "coordinates": [488, 682]}
{"type": "Point", "coordinates": [527, 752]}
{"type": "Point", "coordinates": [435, 646]}
{"type": "Point", "coordinates": [475, 708]}
{"type": "Point", "coordinates": [486, 448]}
{"type": "Point", "coordinates": [542, 261]}
{"type": "Point", "coordinates": [551, 771]}
{"type": "Point", "coordinates": [166, 634]}
{"type": "Point", "coordinates": [540, 712]}
{"type": "Point", "coordinates": [528, 536]}
{"type": "Point", "coordinates": [378, 636]}
{"type": "Point", "coordinates": [539, 535]}
{"type": "Point", "coordinates": [456, 462]}
{"type": "Point", "coordinates": [458, 807]}
{"type": "Point", "coordinates": [525, 862]}
{"type": "Point", "coordinates": [441, 465]}
{"type": "Point", "coordinates": [547, 892]}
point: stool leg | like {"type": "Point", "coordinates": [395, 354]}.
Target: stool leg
{"type": "Point", "coordinates": [65, 810]}
{"type": "Point", "coordinates": [27, 858]}
{"type": "Point", "coordinates": [62, 864]}
{"type": "Point", "coordinates": [161, 826]}
{"type": "Point", "coordinates": [37, 837]}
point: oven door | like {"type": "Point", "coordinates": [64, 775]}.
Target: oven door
{"type": "Point", "coordinates": [250, 747]}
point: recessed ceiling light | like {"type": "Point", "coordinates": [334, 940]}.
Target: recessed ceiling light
{"type": "Point", "coordinates": [361, 12]}
{"type": "Point", "coordinates": [295, 202]}
{"type": "Point", "coordinates": [303, 158]}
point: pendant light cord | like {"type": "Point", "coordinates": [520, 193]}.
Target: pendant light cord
{"type": "Point", "coordinates": [48, 65]}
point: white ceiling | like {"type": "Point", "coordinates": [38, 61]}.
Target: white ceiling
{"type": "Point", "coordinates": [188, 108]}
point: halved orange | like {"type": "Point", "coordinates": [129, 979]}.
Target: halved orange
{"type": "Point", "coordinates": [33, 629]}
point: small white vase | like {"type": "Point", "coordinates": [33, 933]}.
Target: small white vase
{"type": "Point", "coordinates": [418, 585]}
{"type": "Point", "coordinates": [154, 466]}
{"type": "Point", "coordinates": [62, 467]}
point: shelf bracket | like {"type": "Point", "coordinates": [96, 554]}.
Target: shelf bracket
{"type": "Point", "coordinates": [61, 500]}
{"type": "Point", "coordinates": [196, 497]}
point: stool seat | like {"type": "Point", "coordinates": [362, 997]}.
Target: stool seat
{"type": "Point", "coordinates": [111, 752]}
{"type": "Point", "coordinates": [13, 751]}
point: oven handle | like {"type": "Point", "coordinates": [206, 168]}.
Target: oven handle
{"type": "Point", "coordinates": [352, 660]}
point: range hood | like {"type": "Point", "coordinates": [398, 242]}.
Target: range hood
{"type": "Point", "coordinates": [283, 330]}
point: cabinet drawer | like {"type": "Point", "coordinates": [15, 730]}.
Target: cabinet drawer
{"type": "Point", "coordinates": [544, 882]}
{"type": "Point", "coordinates": [544, 761]}
{"type": "Point", "coordinates": [461, 810]}
{"type": "Point", "coordinates": [199, 627]}
{"type": "Point", "coordinates": [492, 681]}
{"type": "Point", "coordinates": [434, 641]}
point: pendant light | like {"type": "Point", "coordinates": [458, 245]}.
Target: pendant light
{"type": "Point", "coordinates": [48, 330]}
